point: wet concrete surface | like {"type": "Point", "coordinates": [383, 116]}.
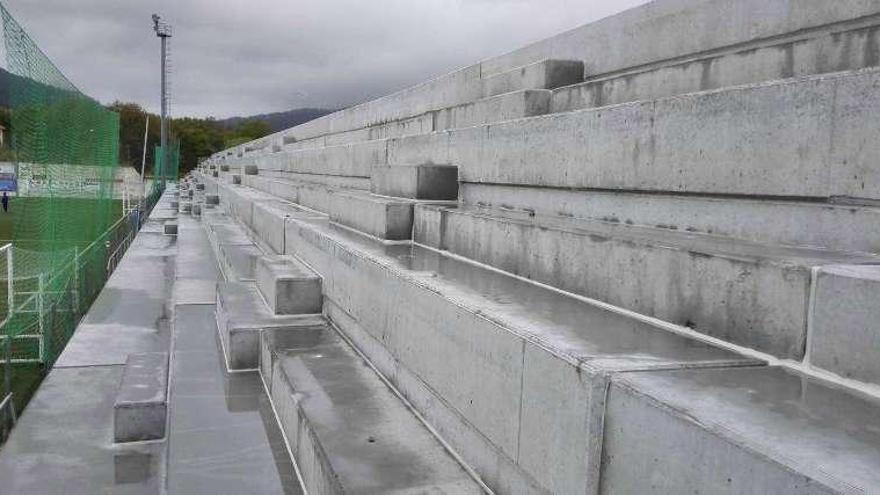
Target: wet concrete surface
{"type": "Point", "coordinates": [63, 442]}
{"type": "Point", "coordinates": [132, 312]}
{"type": "Point", "coordinates": [371, 442]}
{"type": "Point", "coordinates": [223, 436]}
{"type": "Point", "coordinates": [827, 436]}
{"type": "Point", "coordinates": [590, 334]}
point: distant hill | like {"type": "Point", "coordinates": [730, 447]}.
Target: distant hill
{"type": "Point", "coordinates": [279, 121]}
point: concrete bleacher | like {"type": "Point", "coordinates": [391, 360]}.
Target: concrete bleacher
{"type": "Point", "coordinates": [650, 267]}
{"type": "Point", "coordinates": [641, 256]}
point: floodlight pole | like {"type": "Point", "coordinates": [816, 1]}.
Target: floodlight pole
{"type": "Point", "coordinates": [163, 31]}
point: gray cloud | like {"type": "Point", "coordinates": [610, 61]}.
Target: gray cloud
{"type": "Point", "coordinates": [244, 57]}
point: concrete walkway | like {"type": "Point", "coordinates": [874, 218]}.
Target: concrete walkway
{"type": "Point", "coordinates": [63, 442]}
{"type": "Point", "coordinates": [223, 435]}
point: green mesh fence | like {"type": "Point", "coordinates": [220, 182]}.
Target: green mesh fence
{"type": "Point", "coordinates": [167, 169]}
{"type": "Point", "coordinates": [65, 225]}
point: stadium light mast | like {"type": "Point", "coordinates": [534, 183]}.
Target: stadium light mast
{"type": "Point", "coordinates": [163, 31]}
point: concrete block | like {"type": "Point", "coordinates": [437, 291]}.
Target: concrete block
{"type": "Point", "coordinates": [196, 210]}
{"type": "Point", "coordinates": [212, 199]}
{"type": "Point", "coordinates": [428, 225]}
{"type": "Point", "coordinates": [250, 170]}
{"type": "Point", "coordinates": [367, 440]}
{"type": "Point", "coordinates": [235, 179]}
{"type": "Point", "coordinates": [375, 215]}
{"type": "Point", "coordinates": [544, 74]}
{"type": "Point", "coordinates": [239, 261]}
{"type": "Point", "coordinates": [270, 219]}
{"type": "Point", "coordinates": [223, 232]}
{"type": "Point", "coordinates": [215, 174]}
{"type": "Point", "coordinates": [139, 412]}
{"type": "Point", "coordinates": [241, 316]}
{"type": "Point", "coordinates": [425, 181]}
{"type": "Point", "coordinates": [845, 331]}
{"type": "Point", "coordinates": [288, 286]}
{"type": "Point", "coordinates": [746, 430]}
{"type": "Point", "coordinates": [170, 228]}
{"type": "Point", "coordinates": [508, 106]}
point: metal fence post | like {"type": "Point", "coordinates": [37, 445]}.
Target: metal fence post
{"type": "Point", "coordinates": [7, 344]}
{"type": "Point", "coordinates": [44, 345]}
{"type": "Point", "coordinates": [76, 280]}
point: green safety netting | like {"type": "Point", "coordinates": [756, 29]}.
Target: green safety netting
{"type": "Point", "coordinates": [66, 219]}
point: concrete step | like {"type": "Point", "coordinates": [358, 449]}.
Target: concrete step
{"type": "Point", "coordinates": [288, 286]}
{"type": "Point", "coordinates": [269, 218]}
{"type": "Point", "coordinates": [141, 406]}
{"type": "Point", "coordinates": [239, 262]}
{"type": "Point", "coordinates": [351, 160]}
{"type": "Point", "coordinates": [801, 54]}
{"type": "Point", "coordinates": [515, 373]}
{"type": "Point", "coordinates": [241, 315]}
{"type": "Point", "coordinates": [379, 216]}
{"type": "Point", "coordinates": [844, 333]}
{"type": "Point", "coordinates": [750, 294]}
{"type": "Point", "coordinates": [507, 106]}
{"type": "Point", "coordinates": [348, 431]}
{"type": "Point", "coordinates": [803, 138]}
{"type": "Point", "coordinates": [747, 430]}
{"type": "Point", "coordinates": [544, 74]}
{"type": "Point", "coordinates": [789, 222]}
{"type": "Point", "coordinates": [424, 181]}
{"type": "Point", "coordinates": [283, 184]}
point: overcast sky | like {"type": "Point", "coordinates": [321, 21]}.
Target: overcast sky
{"type": "Point", "coordinates": [242, 57]}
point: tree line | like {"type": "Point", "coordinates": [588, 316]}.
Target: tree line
{"type": "Point", "coordinates": [198, 137]}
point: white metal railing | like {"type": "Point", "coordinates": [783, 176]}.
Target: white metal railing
{"type": "Point", "coordinates": [7, 410]}
{"type": "Point", "coordinates": [7, 403]}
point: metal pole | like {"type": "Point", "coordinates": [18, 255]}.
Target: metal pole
{"type": "Point", "coordinates": [44, 345]}
{"type": "Point", "coordinates": [76, 280]}
{"type": "Point", "coordinates": [164, 131]}
{"type": "Point", "coordinates": [144, 157]}
{"type": "Point", "coordinates": [10, 301]}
